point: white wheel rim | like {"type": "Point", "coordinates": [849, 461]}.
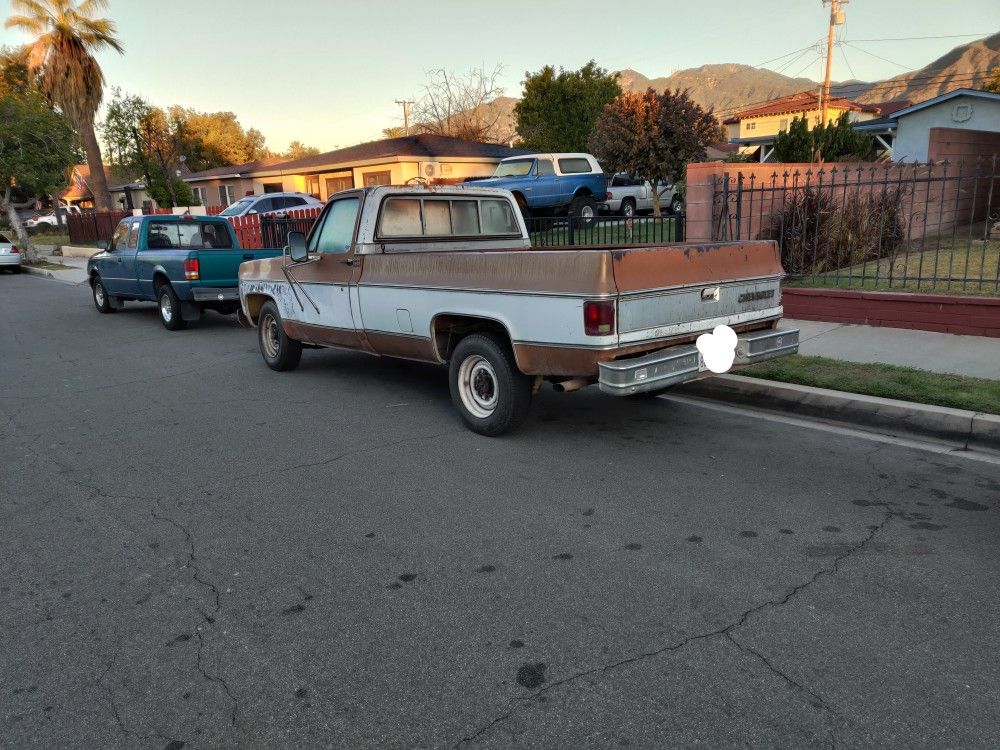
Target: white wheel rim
{"type": "Point", "coordinates": [99, 293]}
{"type": "Point", "coordinates": [166, 309]}
{"type": "Point", "coordinates": [628, 209]}
{"type": "Point", "coordinates": [587, 212]}
{"type": "Point", "coordinates": [477, 385]}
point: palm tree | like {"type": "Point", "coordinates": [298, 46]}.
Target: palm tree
{"type": "Point", "coordinates": [61, 57]}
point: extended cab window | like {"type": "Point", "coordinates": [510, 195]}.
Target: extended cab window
{"type": "Point", "coordinates": [133, 235]}
{"type": "Point", "coordinates": [337, 232]}
{"type": "Point", "coordinates": [574, 165]}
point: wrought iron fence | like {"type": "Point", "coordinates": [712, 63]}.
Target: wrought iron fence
{"type": "Point", "coordinates": [903, 227]}
{"type": "Point", "coordinates": [578, 231]}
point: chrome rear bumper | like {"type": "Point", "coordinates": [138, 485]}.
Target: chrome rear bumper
{"type": "Point", "coordinates": [678, 364]}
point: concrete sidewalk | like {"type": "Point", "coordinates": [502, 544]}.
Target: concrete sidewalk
{"type": "Point", "coordinates": [974, 356]}
{"type": "Point", "coordinates": [75, 273]}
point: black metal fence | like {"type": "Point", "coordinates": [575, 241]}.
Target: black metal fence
{"type": "Point", "coordinates": [577, 231]}
{"type": "Point", "coordinates": [904, 227]}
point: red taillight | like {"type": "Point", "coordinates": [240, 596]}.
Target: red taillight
{"type": "Point", "coordinates": [599, 318]}
{"type": "Point", "coordinates": [609, 196]}
{"type": "Point", "coordinates": [14, 249]}
{"type": "Point", "coordinates": [191, 270]}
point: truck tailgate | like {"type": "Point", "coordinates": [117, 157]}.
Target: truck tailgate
{"type": "Point", "coordinates": [676, 290]}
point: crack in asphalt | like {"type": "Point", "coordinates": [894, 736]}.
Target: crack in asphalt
{"type": "Point", "coordinates": [725, 630]}
{"type": "Point", "coordinates": [207, 619]}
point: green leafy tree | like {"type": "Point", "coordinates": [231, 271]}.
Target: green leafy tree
{"type": "Point", "coordinates": [61, 57]}
{"type": "Point", "coordinates": [298, 150]}
{"type": "Point", "coordinates": [653, 136]}
{"type": "Point", "coordinates": [215, 139]}
{"type": "Point", "coordinates": [147, 140]}
{"type": "Point", "coordinates": [396, 131]}
{"type": "Point", "coordinates": [558, 110]}
{"type": "Point", "coordinates": [836, 141]}
{"type": "Point", "coordinates": [37, 144]}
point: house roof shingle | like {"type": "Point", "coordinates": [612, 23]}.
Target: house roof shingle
{"type": "Point", "coordinates": [800, 102]}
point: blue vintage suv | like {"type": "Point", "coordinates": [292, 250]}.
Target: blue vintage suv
{"type": "Point", "coordinates": [553, 184]}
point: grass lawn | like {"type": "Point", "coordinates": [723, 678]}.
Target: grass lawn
{"type": "Point", "coordinates": [47, 238]}
{"type": "Point", "coordinates": [969, 262]}
{"type": "Point", "coordinates": [609, 232]}
{"type": "Point", "coordinates": [886, 381]}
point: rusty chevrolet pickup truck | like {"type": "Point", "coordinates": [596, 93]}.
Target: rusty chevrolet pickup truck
{"type": "Point", "coordinates": [448, 275]}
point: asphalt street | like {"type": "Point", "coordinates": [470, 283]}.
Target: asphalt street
{"type": "Point", "coordinates": [198, 552]}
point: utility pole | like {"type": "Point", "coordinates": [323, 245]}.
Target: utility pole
{"type": "Point", "coordinates": [836, 19]}
{"type": "Point", "coordinates": [405, 103]}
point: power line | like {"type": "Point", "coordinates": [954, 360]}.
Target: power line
{"type": "Point", "coordinates": [913, 38]}
{"type": "Point", "coordinates": [846, 61]}
{"type": "Point", "coordinates": [784, 67]}
{"type": "Point", "coordinates": [818, 58]}
{"type": "Point", "coordinates": [781, 57]}
{"type": "Point", "coordinates": [878, 57]}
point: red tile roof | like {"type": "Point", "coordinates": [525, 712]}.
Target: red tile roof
{"type": "Point", "coordinates": [803, 101]}
{"type": "Point", "coordinates": [886, 109]}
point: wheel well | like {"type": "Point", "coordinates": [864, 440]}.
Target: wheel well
{"type": "Point", "coordinates": [584, 191]}
{"type": "Point", "coordinates": [447, 330]}
{"type": "Point", "coordinates": [254, 303]}
{"type": "Point", "coordinates": [159, 278]}
{"type": "Point", "coordinates": [519, 198]}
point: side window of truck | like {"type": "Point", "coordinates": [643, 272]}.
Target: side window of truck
{"type": "Point", "coordinates": [574, 165]}
{"type": "Point", "coordinates": [133, 235]}
{"type": "Point", "coordinates": [119, 238]}
{"type": "Point", "coordinates": [545, 168]}
{"type": "Point", "coordinates": [337, 232]}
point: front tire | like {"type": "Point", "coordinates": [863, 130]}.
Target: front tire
{"type": "Point", "coordinates": [488, 390]}
{"type": "Point", "coordinates": [280, 352]}
{"type": "Point", "coordinates": [628, 208]}
{"type": "Point", "coordinates": [170, 308]}
{"type": "Point", "coordinates": [101, 299]}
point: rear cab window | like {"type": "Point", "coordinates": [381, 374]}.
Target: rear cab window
{"type": "Point", "coordinates": [188, 235]}
{"type": "Point", "coordinates": [405, 217]}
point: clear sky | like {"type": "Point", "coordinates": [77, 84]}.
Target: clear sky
{"type": "Point", "coordinates": [326, 72]}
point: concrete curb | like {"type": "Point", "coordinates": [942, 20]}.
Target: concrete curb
{"type": "Point", "coordinates": [37, 271]}
{"type": "Point", "coordinates": [964, 429]}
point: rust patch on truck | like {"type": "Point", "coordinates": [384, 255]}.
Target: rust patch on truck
{"type": "Point", "coordinates": [647, 268]}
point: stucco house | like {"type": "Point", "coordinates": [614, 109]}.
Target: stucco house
{"type": "Point", "coordinates": [755, 129]}
{"type": "Point", "coordinates": [392, 161]}
{"type": "Point", "coordinates": [959, 125]}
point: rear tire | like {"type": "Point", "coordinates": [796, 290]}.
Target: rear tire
{"type": "Point", "coordinates": [101, 299]}
{"type": "Point", "coordinates": [170, 308]}
{"type": "Point", "coordinates": [628, 208]}
{"type": "Point", "coordinates": [584, 210]}
{"type": "Point", "coordinates": [488, 390]}
{"type": "Point", "coordinates": [675, 205]}
{"type": "Point", "coordinates": [280, 352]}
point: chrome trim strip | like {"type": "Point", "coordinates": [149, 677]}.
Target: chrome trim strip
{"type": "Point", "coordinates": [684, 287]}
{"type": "Point", "coordinates": [696, 326]}
{"type": "Point", "coordinates": [522, 292]}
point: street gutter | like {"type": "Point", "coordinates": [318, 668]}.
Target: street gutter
{"type": "Point", "coordinates": [965, 430]}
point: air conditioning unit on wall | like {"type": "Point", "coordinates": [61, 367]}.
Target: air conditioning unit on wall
{"type": "Point", "coordinates": [430, 170]}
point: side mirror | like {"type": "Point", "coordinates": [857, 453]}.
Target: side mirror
{"type": "Point", "coordinates": [251, 212]}
{"type": "Point", "coordinates": [102, 245]}
{"type": "Point", "coordinates": [297, 247]}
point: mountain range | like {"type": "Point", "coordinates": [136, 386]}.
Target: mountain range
{"type": "Point", "coordinates": [729, 87]}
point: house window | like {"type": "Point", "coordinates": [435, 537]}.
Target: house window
{"type": "Point", "coordinates": [336, 184]}
{"type": "Point", "coordinates": [272, 187]}
{"type": "Point", "coordinates": [312, 186]}
{"type": "Point", "coordinates": [200, 196]}
{"type": "Point", "coordinates": [227, 196]}
{"type": "Point", "coordinates": [378, 178]}
{"type": "Point", "coordinates": [751, 126]}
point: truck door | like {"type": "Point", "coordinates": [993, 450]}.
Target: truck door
{"type": "Point", "coordinates": [546, 185]}
{"type": "Point", "coordinates": [113, 268]}
{"type": "Point", "coordinates": [130, 271]}
{"type": "Point", "coordinates": [324, 314]}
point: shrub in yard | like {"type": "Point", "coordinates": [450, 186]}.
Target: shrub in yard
{"type": "Point", "coordinates": [818, 234]}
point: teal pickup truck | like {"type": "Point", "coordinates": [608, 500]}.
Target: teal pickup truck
{"type": "Point", "coordinates": [186, 264]}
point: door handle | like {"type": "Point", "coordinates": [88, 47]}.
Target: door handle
{"type": "Point", "coordinates": [348, 261]}
{"type": "Point", "coordinates": [119, 260]}
{"type": "Point", "coordinates": [247, 256]}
